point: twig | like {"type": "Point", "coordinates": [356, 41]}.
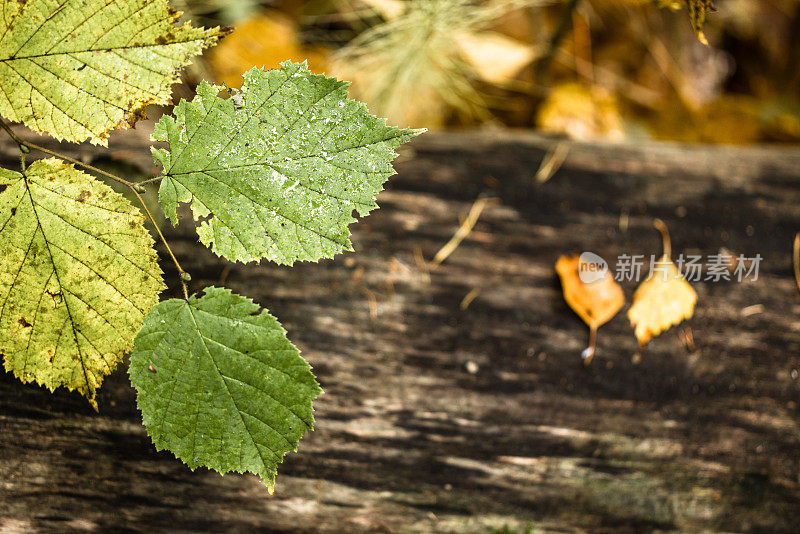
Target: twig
{"type": "Point", "coordinates": [463, 230]}
{"type": "Point", "coordinates": [552, 162]}
{"type": "Point", "coordinates": [555, 41]}
{"type": "Point", "coordinates": [624, 220]}
{"type": "Point", "coordinates": [687, 338]}
{"type": "Point", "coordinates": [373, 302]}
{"type": "Point", "coordinates": [796, 260]}
{"type": "Point", "coordinates": [469, 297]}
{"type": "Point", "coordinates": [422, 265]}
{"type": "Point", "coordinates": [183, 275]}
{"type": "Point", "coordinates": [755, 308]}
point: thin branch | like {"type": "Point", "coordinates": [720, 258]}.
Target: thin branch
{"type": "Point", "coordinates": [552, 162]}
{"type": "Point", "coordinates": [183, 275]}
{"type": "Point", "coordinates": [463, 230]}
{"type": "Point", "coordinates": [543, 65]}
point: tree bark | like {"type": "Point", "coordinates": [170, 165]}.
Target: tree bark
{"type": "Point", "coordinates": [439, 416]}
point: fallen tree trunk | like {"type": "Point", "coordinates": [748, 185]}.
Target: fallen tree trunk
{"type": "Point", "coordinates": [448, 414]}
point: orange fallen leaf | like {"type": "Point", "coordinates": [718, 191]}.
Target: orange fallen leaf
{"type": "Point", "coordinates": [265, 40]}
{"type": "Point", "coordinates": [596, 302]}
{"type": "Point", "coordinates": [663, 300]}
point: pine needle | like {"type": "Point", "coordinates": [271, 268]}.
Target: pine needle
{"type": "Point", "coordinates": [552, 162]}
{"type": "Point", "coordinates": [463, 230]}
{"type": "Point", "coordinates": [796, 260]}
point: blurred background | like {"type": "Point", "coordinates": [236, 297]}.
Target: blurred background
{"type": "Point", "coordinates": [586, 69]}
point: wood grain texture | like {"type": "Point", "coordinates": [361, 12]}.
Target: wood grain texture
{"type": "Point", "coordinates": [438, 419]}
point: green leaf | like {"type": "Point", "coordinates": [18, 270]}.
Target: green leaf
{"type": "Point", "coordinates": [277, 170]}
{"type": "Point", "coordinates": [220, 385]}
{"type": "Point", "coordinates": [78, 273]}
{"type": "Point", "coordinates": [78, 69]}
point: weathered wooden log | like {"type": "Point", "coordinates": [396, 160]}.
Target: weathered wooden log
{"type": "Point", "coordinates": [443, 417]}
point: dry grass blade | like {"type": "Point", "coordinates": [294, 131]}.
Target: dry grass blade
{"type": "Point", "coordinates": [796, 260]}
{"type": "Point", "coordinates": [469, 297]}
{"type": "Point", "coordinates": [410, 68]}
{"type": "Point", "coordinates": [463, 230]}
{"type": "Point", "coordinates": [552, 162]}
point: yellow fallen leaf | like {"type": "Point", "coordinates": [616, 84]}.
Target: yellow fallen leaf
{"type": "Point", "coordinates": [596, 302]}
{"type": "Point", "coordinates": [581, 112]}
{"type": "Point", "coordinates": [663, 300]}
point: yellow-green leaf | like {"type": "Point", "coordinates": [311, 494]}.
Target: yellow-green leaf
{"type": "Point", "coordinates": [79, 69]}
{"type": "Point", "coordinates": [77, 275]}
{"type": "Point", "coordinates": [663, 300]}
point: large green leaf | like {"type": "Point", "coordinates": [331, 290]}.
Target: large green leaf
{"type": "Point", "coordinates": [76, 69]}
{"type": "Point", "coordinates": [78, 273]}
{"type": "Point", "coordinates": [220, 385]}
{"type": "Point", "coordinates": [279, 167]}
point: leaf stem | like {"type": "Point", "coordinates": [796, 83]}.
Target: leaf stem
{"type": "Point", "coordinates": [661, 227]}
{"type": "Point", "coordinates": [53, 153]}
{"type": "Point", "coordinates": [182, 275]}
{"type": "Point", "coordinates": [588, 352]}
{"type": "Point", "coordinates": [149, 180]}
